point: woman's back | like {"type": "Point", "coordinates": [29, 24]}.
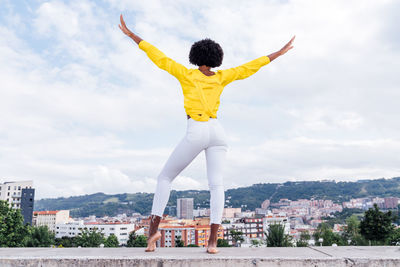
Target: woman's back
{"type": "Point", "coordinates": [201, 92]}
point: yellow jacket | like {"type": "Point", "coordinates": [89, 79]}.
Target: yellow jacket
{"type": "Point", "coordinates": [201, 92]}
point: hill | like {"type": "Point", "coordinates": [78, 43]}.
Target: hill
{"type": "Point", "coordinates": [101, 204]}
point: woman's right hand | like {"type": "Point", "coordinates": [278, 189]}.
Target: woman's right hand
{"type": "Point", "coordinates": [123, 28]}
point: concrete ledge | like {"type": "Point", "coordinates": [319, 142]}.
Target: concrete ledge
{"type": "Point", "coordinates": [188, 257]}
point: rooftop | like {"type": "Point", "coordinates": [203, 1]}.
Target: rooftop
{"type": "Point", "coordinates": [46, 212]}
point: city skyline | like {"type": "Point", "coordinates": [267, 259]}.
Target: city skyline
{"type": "Point", "coordinates": [303, 215]}
{"type": "Point", "coordinates": [297, 216]}
{"type": "Point", "coordinates": [227, 198]}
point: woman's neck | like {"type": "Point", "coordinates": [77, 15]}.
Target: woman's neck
{"type": "Point", "coordinates": [206, 70]}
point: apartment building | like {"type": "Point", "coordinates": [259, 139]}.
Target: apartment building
{"type": "Point", "coordinates": [195, 232]}
{"type": "Point", "coordinates": [171, 233]}
{"type": "Point", "coordinates": [251, 228]}
{"type": "Point", "coordinates": [50, 218]}
{"type": "Point", "coordinates": [184, 208]}
{"type": "Point", "coordinates": [202, 234]}
{"type": "Point", "coordinates": [120, 229]}
{"type": "Point", "coordinates": [275, 219]}
{"type": "Point", "coordinates": [19, 195]}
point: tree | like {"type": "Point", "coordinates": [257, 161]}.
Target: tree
{"type": "Point", "coordinates": [394, 238]}
{"type": "Point", "coordinates": [236, 236]}
{"type": "Point", "coordinates": [111, 242]}
{"type": "Point", "coordinates": [341, 217]}
{"type": "Point", "coordinates": [39, 236]}
{"type": "Point", "coordinates": [91, 238]}
{"type": "Point", "coordinates": [136, 240]}
{"type": "Point", "coordinates": [276, 236]}
{"type": "Point", "coordinates": [353, 226]}
{"type": "Point", "coordinates": [397, 215]}
{"type": "Point", "coordinates": [141, 241]}
{"type": "Point", "coordinates": [329, 237]}
{"type": "Point", "coordinates": [179, 242]}
{"type": "Point", "coordinates": [376, 225]}
{"type": "Point", "coordinates": [303, 240]}
{"type": "Point", "coordinates": [222, 243]}
{"type": "Point", "coordinates": [66, 242]}
{"type": "Point", "coordinates": [12, 231]}
{"type": "Point", "coordinates": [256, 243]}
{"type": "Point", "coordinates": [351, 234]}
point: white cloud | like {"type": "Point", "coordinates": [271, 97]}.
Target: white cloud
{"type": "Point", "coordinates": [55, 17]}
{"type": "Point", "coordinates": [188, 183]}
{"type": "Point", "coordinates": [82, 109]}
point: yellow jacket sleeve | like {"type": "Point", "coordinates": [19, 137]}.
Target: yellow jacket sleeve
{"type": "Point", "coordinates": [243, 71]}
{"type": "Point", "coordinates": [162, 61]}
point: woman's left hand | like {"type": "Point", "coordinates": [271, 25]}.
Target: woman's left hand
{"type": "Point", "coordinates": [287, 47]}
{"type": "Point", "coordinates": [283, 50]}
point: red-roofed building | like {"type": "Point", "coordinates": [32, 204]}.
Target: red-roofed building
{"type": "Point", "coordinates": [50, 218]}
{"type": "Point", "coordinates": [191, 232]}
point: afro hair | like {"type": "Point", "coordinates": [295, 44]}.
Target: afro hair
{"type": "Point", "coordinates": [206, 52]}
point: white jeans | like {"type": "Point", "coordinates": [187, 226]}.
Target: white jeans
{"type": "Point", "coordinates": [200, 135]}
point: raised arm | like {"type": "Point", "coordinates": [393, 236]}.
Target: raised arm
{"type": "Point", "coordinates": [125, 30]}
{"type": "Point", "coordinates": [283, 50]}
{"type": "Point", "coordinates": [159, 58]}
{"type": "Point", "coordinates": [243, 71]}
{"type": "Point", "coordinates": [249, 68]}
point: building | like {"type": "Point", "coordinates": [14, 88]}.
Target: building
{"type": "Point", "coordinates": [366, 203]}
{"type": "Point", "coordinates": [391, 202]}
{"type": "Point", "coordinates": [171, 233]}
{"type": "Point", "coordinates": [201, 212]}
{"type": "Point", "coordinates": [120, 229]}
{"type": "Point", "coordinates": [191, 232]}
{"type": "Point", "coordinates": [231, 212]}
{"type": "Point", "coordinates": [27, 201]}
{"type": "Point", "coordinates": [51, 218]}
{"type": "Point", "coordinates": [251, 228]}
{"type": "Point", "coordinates": [12, 192]}
{"type": "Point", "coordinates": [245, 214]}
{"type": "Point", "coordinates": [184, 208]}
{"type": "Point", "coordinates": [276, 219]}
{"type": "Point", "coordinates": [202, 234]}
{"type": "Point", "coordinates": [228, 213]}
{"type": "Point", "coordinates": [19, 195]}
{"type": "Point", "coordinates": [261, 211]}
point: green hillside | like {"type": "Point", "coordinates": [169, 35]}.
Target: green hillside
{"type": "Point", "coordinates": [101, 204]}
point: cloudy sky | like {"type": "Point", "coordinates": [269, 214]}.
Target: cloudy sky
{"type": "Point", "coordinates": [83, 110]}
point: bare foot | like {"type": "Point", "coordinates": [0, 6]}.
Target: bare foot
{"type": "Point", "coordinates": [212, 249]}
{"type": "Point", "coordinates": [151, 242]}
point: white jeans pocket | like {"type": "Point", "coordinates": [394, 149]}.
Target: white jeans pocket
{"type": "Point", "coordinates": [195, 130]}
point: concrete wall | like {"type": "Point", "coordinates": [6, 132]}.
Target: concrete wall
{"type": "Point", "coordinates": [189, 257]}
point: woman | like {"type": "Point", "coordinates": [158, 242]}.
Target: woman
{"type": "Point", "coordinates": [201, 89]}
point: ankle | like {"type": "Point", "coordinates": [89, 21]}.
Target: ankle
{"type": "Point", "coordinates": [212, 244]}
{"type": "Point", "coordinates": [153, 224]}
{"type": "Point", "coordinates": [156, 232]}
